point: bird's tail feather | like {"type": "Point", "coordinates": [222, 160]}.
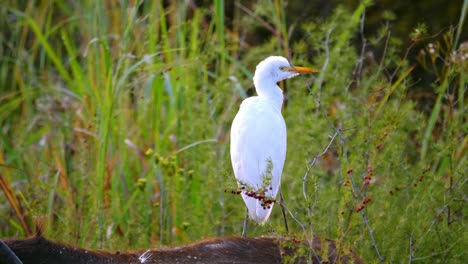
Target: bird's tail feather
{"type": "Point", "coordinates": [256, 210]}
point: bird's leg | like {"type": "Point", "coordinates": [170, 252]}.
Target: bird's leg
{"type": "Point", "coordinates": [284, 212]}
{"type": "Point", "coordinates": [246, 223]}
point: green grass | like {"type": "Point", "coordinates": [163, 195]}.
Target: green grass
{"type": "Point", "coordinates": [115, 123]}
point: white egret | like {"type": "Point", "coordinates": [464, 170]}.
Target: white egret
{"type": "Point", "coordinates": [258, 138]}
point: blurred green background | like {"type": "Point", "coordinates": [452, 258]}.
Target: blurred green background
{"type": "Point", "coordinates": [115, 119]}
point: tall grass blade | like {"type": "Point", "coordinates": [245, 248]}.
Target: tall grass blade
{"type": "Point", "coordinates": [392, 89]}
{"type": "Point", "coordinates": [432, 120]}
{"type": "Point", "coordinates": [219, 18]}
{"type": "Point", "coordinates": [14, 204]}
{"type": "Point", "coordinates": [49, 50]}
{"type": "Point", "coordinates": [461, 22]}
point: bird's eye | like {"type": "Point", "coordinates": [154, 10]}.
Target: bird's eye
{"type": "Point", "coordinates": [283, 68]}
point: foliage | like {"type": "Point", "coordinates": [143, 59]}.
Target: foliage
{"type": "Point", "coordinates": [115, 122]}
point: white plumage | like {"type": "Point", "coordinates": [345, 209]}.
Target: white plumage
{"type": "Point", "coordinates": [258, 137]}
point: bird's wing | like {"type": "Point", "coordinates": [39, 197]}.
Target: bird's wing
{"type": "Point", "coordinates": [258, 137]}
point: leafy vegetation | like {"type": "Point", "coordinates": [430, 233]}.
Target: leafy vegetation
{"type": "Point", "coordinates": [115, 122]}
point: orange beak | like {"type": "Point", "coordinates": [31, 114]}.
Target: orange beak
{"type": "Point", "coordinates": [303, 70]}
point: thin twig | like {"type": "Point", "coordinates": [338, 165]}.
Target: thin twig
{"type": "Point", "coordinates": [371, 234]}
{"type": "Point", "coordinates": [359, 195]}
{"type": "Point", "coordinates": [438, 253]}
{"type": "Point", "coordinates": [403, 61]}
{"type": "Point", "coordinates": [382, 60]}
{"type": "Point", "coordinates": [196, 143]}
{"type": "Point", "coordinates": [310, 241]}
{"type": "Point", "coordinates": [360, 62]}
{"type": "Point", "coordinates": [311, 164]}
{"type": "Point", "coordinates": [263, 22]}
{"type": "Point", "coordinates": [410, 260]}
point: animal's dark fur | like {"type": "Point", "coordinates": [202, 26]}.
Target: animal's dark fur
{"type": "Point", "coordinates": [7, 256]}
{"type": "Point", "coordinates": [219, 250]}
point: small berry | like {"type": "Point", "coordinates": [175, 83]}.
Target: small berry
{"type": "Point", "coordinates": [359, 208]}
{"type": "Point", "coordinates": [366, 200]}
{"type": "Point", "coordinates": [346, 182]}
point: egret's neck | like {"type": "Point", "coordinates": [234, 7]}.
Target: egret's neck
{"type": "Point", "coordinates": [270, 90]}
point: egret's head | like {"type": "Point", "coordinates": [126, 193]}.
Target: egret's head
{"type": "Point", "coordinates": [277, 68]}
